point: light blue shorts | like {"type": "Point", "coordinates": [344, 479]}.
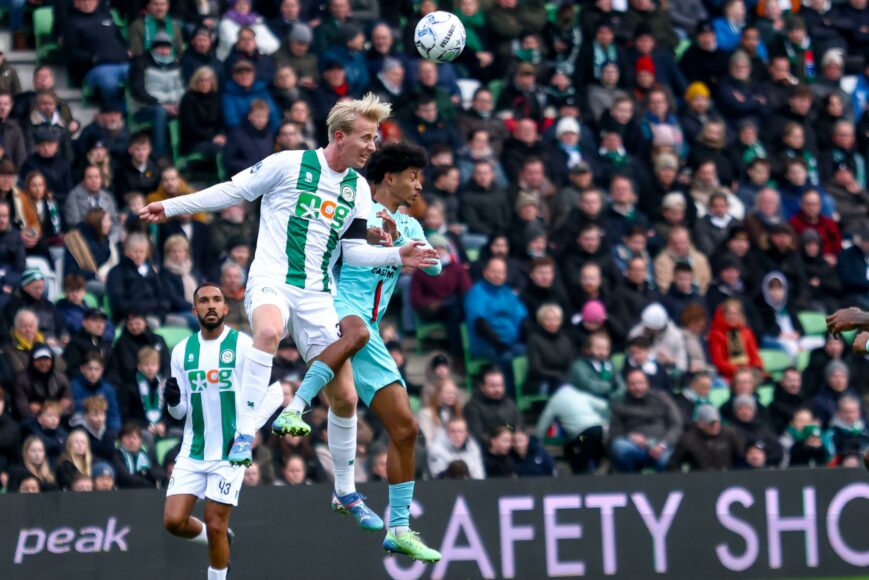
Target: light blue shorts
{"type": "Point", "coordinates": [373, 366]}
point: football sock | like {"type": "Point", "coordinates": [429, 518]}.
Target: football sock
{"type": "Point", "coordinates": [202, 536]}
{"type": "Point", "coordinates": [255, 379]}
{"type": "Point", "coordinates": [317, 377]}
{"type": "Point", "coordinates": [400, 497]}
{"type": "Point", "coordinates": [342, 445]}
{"type": "Point", "coordinates": [217, 574]}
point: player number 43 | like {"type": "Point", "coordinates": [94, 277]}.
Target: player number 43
{"type": "Point", "coordinates": [225, 487]}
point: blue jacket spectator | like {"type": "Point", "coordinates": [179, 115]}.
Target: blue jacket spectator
{"type": "Point", "coordinates": [530, 457]}
{"type": "Point", "coordinates": [494, 314]}
{"type": "Point", "coordinates": [350, 53]}
{"type": "Point", "coordinates": [90, 382]}
{"type": "Point", "coordinates": [241, 91]}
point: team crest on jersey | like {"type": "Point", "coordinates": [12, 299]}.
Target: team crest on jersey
{"type": "Point", "coordinates": [268, 290]}
{"type": "Point", "coordinates": [256, 167]}
{"type": "Point", "coordinates": [227, 356]}
{"type": "Point", "coordinates": [347, 194]}
{"type": "Point", "coordinates": [309, 177]}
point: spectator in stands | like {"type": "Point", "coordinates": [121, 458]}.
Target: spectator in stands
{"type": "Point", "coordinates": [445, 403]}
{"type": "Point", "coordinates": [232, 284]}
{"type": "Point", "coordinates": [135, 466]}
{"type": "Point", "coordinates": [250, 141]}
{"type": "Point", "coordinates": [457, 445]}
{"type": "Point", "coordinates": [711, 231]}
{"type": "Point", "coordinates": [825, 403]}
{"type": "Point", "coordinates": [96, 50]}
{"type": "Point", "coordinates": [530, 458]}
{"type": "Point", "coordinates": [754, 427]}
{"type": "Point", "coordinates": [247, 48]}
{"type": "Point", "coordinates": [46, 426]}
{"type": "Point", "coordinates": [47, 160]}
{"type": "Point", "coordinates": [485, 208]}
{"type": "Point", "coordinates": [802, 441]}
{"type": "Point", "coordinates": [11, 136]}
{"type": "Point", "coordinates": [134, 282]}
{"type": "Point", "coordinates": [294, 472]}
{"type": "Point", "coordinates": [104, 476]}
{"type": "Point", "coordinates": [156, 88]}
{"type": "Point", "coordinates": [495, 317]}
{"type": "Point", "coordinates": [732, 344]}
{"type": "Point", "coordinates": [631, 297]}
{"type": "Point", "coordinates": [89, 382]}
{"type": "Point", "coordinates": [781, 326]}
{"type": "Point", "coordinates": [241, 91]}
{"type": "Point", "coordinates": [704, 60]}
{"type": "Point", "coordinates": [667, 346]}
{"type": "Point", "coordinates": [694, 395]}
{"type": "Point", "coordinates": [707, 445]}
{"type": "Point", "coordinates": [809, 218]}
{"type": "Point", "coordinates": [594, 371]}
{"type": "Point", "coordinates": [297, 53]}
{"type": "Point", "coordinates": [200, 53]}
{"type": "Point", "coordinates": [284, 87]}
{"type": "Point", "coordinates": [595, 54]}
{"type": "Point", "coordinates": [35, 464]}
{"type": "Point", "coordinates": [588, 247]}
{"type": "Point", "coordinates": [201, 115]}
{"type": "Point", "coordinates": [852, 273]}
{"type": "Point", "coordinates": [45, 114]}
{"type": "Point", "coordinates": [179, 280]}
{"type": "Point", "coordinates": [525, 143]}
{"type": "Point", "coordinates": [87, 195]}
{"type": "Point", "coordinates": [544, 287]}
{"type": "Point", "coordinates": [244, 31]}
{"type": "Point", "coordinates": [480, 116]}
{"type": "Point", "coordinates": [731, 283]}
{"type": "Point", "coordinates": [30, 296]}
{"type": "Point", "coordinates": [91, 338]}
{"type": "Point", "coordinates": [143, 31]}
{"type": "Point", "coordinates": [92, 419]}
{"type": "Point", "coordinates": [639, 355]}
{"type": "Point", "coordinates": [682, 292]}
{"type": "Point", "coordinates": [138, 172]}
{"type": "Point", "coordinates": [39, 381]}
{"type": "Point", "coordinates": [9, 439]}
{"type": "Point", "coordinates": [644, 428]}
{"type": "Point", "coordinates": [813, 374]}
{"type": "Point", "coordinates": [498, 459]}
{"type": "Point", "coordinates": [135, 336]}
{"type": "Point", "coordinates": [787, 398]}
{"type": "Point", "coordinates": [550, 351]}
{"type": "Point", "coordinates": [89, 251]}
{"type": "Point", "coordinates": [693, 325]}
{"type": "Point", "coordinates": [12, 254]}
{"type": "Point", "coordinates": [847, 437]}
{"type": "Point", "coordinates": [142, 401]}
{"type": "Point", "coordinates": [349, 51]}
{"type": "Point", "coordinates": [38, 217]}
{"type": "Point", "coordinates": [427, 126]}
{"type": "Point", "coordinates": [764, 217]}
{"type": "Point", "coordinates": [173, 185]}
{"type": "Point", "coordinates": [622, 215]}
{"type": "Point", "coordinates": [8, 189]}
{"type": "Point", "coordinates": [76, 460]}
{"type": "Point", "coordinates": [491, 407]}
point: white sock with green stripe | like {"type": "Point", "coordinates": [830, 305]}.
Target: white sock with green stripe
{"type": "Point", "coordinates": [342, 445]}
{"type": "Point", "coordinates": [217, 574]}
{"type": "Point", "coordinates": [202, 537]}
{"type": "Point", "coordinates": [256, 374]}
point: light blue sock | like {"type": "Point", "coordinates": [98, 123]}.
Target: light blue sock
{"type": "Point", "coordinates": [317, 377]}
{"type": "Point", "coordinates": [400, 497]}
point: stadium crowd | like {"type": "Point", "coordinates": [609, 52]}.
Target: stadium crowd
{"type": "Point", "coordinates": [638, 200]}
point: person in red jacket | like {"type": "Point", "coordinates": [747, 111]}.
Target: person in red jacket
{"type": "Point", "coordinates": [732, 344]}
{"type": "Point", "coordinates": [809, 218]}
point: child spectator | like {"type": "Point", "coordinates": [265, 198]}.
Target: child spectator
{"type": "Point", "coordinates": [446, 403]}
{"type": "Point", "coordinates": [250, 141]}
{"type": "Point", "coordinates": [75, 461]}
{"type": "Point", "coordinates": [530, 458]}
{"type": "Point", "coordinates": [104, 477]}
{"type": "Point", "coordinates": [142, 401]}
{"type": "Point", "coordinates": [134, 465]}
{"type": "Point", "coordinates": [550, 352]}
{"type": "Point", "coordinates": [46, 426]}
{"type": "Point", "coordinates": [498, 459]}
{"type": "Point", "coordinates": [693, 328]}
{"type": "Point", "coordinates": [802, 441]}
{"type": "Point", "coordinates": [847, 438]}
{"type": "Point", "coordinates": [90, 382]}
{"type": "Point", "coordinates": [92, 419]}
{"type": "Point", "coordinates": [34, 463]}
{"type": "Point", "coordinates": [640, 356]}
{"type": "Point", "coordinates": [457, 445]}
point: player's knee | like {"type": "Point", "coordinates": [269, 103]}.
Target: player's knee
{"type": "Point", "coordinates": [267, 338]}
{"type": "Point", "coordinates": [356, 335]}
{"type": "Point", "coordinates": [174, 523]}
{"type": "Point", "coordinates": [406, 433]}
{"type": "Point", "coordinates": [215, 525]}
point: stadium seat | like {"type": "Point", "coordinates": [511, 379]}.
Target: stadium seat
{"type": "Point", "coordinates": [163, 447]}
{"type": "Point", "coordinates": [803, 360]}
{"type": "Point", "coordinates": [814, 323]}
{"type": "Point", "coordinates": [775, 361]}
{"type": "Point", "coordinates": [415, 404]}
{"type": "Point", "coordinates": [173, 334]}
{"type": "Point", "coordinates": [520, 377]}
{"type": "Point", "coordinates": [764, 394]}
{"type": "Point", "coordinates": [119, 20]}
{"type": "Point", "coordinates": [43, 26]}
{"type": "Point", "coordinates": [495, 87]}
{"type": "Point", "coordinates": [472, 365]}
{"type": "Point", "coordinates": [618, 361]}
{"type": "Point", "coordinates": [473, 254]}
{"type": "Point", "coordinates": [719, 396]}
{"type": "Point", "coordinates": [424, 330]}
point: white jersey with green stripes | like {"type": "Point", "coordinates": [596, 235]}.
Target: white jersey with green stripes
{"type": "Point", "coordinates": [209, 375]}
{"type": "Point", "coordinates": [306, 207]}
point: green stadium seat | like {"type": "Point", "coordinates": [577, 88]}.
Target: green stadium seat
{"type": "Point", "coordinates": [43, 29]}
{"type": "Point", "coordinates": [472, 365]}
{"type": "Point", "coordinates": [424, 330]}
{"type": "Point", "coordinates": [618, 361]}
{"type": "Point", "coordinates": [764, 394]}
{"type": "Point", "coordinates": [415, 404]}
{"type": "Point", "coordinates": [775, 361]}
{"type": "Point", "coordinates": [163, 447]}
{"type": "Point", "coordinates": [520, 377]}
{"type": "Point", "coordinates": [173, 334]}
{"type": "Point", "coordinates": [719, 396]}
{"type": "Point", "coordinates": [683, 45]}
{"type": "Point", "coordinates": [495, 87]}
{"type": "Point", "coordinates": [814, 323]}
{"type": "Point", "coordinates": [473, 254]}
{"type": "Point", "coordinates": [803, 360]}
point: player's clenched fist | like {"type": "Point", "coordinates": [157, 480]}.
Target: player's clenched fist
{"type": "Point", "coordinates": [172, 392]}
{"type": "Point", "coordinates": [153, 213]}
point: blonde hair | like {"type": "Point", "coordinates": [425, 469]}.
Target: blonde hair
{"type": "Point", "coordinates": [176, 241]}
{"type": "Point", "coordinates": [42, 472]}
{"type": "Point", "coordinates": [546, 309]}
{"type": "Point", "coordinates": [83, 464]}
{"type": "Point", "coordinates": [343, 115]}
{"type": "Point", "coordinates": [201, 72]}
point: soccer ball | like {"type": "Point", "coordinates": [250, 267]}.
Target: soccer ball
{"type": "Point", "coordinates": [440, 36]}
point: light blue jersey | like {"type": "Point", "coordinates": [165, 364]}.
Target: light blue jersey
{"type": "Point", "coordinates": [365, 292]}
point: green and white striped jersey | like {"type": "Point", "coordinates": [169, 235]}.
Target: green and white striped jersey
{"type": "Point", "coordinates": [306, 207]}
{"type": "Point", "coordinates": [209, 375]}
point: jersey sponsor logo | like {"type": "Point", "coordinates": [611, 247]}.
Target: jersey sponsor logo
{"type": "Point", "coordinates": [312, 207]}
{"type": "Point", "coordinates": [200, 380]}
{"type": "Point", "coordinates": [385, 271]}
{"type": "Point", "coordinates": [227, 356]}
{"type": "Point", "coordinates": [348, 194]}
{"type": "Point", "coordinates": [256, 167]}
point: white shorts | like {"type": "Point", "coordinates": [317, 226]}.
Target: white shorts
{"type": "Point", "coordinates": [216, 480]}
{"type": "Point", "coordinates": [308, 316]}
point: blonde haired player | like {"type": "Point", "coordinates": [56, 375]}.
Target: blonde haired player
{"type": "Point", "coordinates": [311, 201]}
{"type": "Point", "coordinates": [206, 368]}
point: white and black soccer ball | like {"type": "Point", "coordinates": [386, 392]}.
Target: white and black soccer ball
{"type": "Point", "coordinates": [440, 36]}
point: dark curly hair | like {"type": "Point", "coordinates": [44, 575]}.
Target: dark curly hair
{"type": "Point", "coordinates": [395, 158]}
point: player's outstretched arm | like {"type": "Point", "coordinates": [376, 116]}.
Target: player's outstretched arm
{"type": "Point", "coordinates": [212, 198]}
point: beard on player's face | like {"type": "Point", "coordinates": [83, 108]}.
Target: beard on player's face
{"type": "Point", "coordinates": [209, 322]}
